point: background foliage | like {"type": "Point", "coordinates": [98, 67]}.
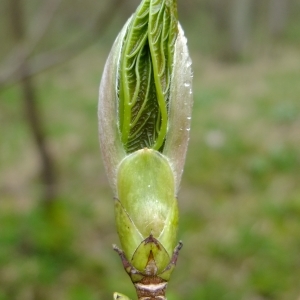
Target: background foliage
{"type": "Point", "coordinates": [240, 194]}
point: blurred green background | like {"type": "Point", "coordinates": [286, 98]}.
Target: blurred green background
{"type": "Point", "coordinates": [240, 193]}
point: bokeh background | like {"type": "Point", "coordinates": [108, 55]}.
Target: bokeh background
{"type": "Point", "coordinates": [240, 194]}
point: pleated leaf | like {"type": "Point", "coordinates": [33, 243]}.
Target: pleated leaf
{"type": "Point", "coordinates": [144, 75]}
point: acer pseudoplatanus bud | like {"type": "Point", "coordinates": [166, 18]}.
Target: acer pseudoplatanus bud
{"type": "Point", "coordinates": [145, 103]}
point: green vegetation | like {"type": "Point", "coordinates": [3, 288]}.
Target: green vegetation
{"type": "Point", "coordinates": [239, 201]}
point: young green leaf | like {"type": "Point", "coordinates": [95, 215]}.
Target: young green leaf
{"type": "Point", "coordinates": [145, 96]}
{"type": "Point", "coordinates": [145, 70]}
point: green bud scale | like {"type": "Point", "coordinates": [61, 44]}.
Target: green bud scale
{"type": "Point", "coordinates": [145, 103]}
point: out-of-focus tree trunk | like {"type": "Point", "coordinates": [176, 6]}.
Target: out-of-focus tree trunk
{"type": "Point", "coordinates": [239, 26]}
{"type": "Point", "coordinates": [221, 10]}
{"type": "Point", "coordinates": [278, 14]}
{"type": "Point", "coordinates": [30, 106]}
{"type": "Point", "coordinates": [43, 61]}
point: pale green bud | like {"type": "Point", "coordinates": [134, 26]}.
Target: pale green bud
{"type": "Point", "coordinates": [145, 103]}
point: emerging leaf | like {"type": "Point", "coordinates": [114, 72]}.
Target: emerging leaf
{"type": "Point", "coordinates": [145, 96]}
{"type": "Point", "coordinates": [145, 71]}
